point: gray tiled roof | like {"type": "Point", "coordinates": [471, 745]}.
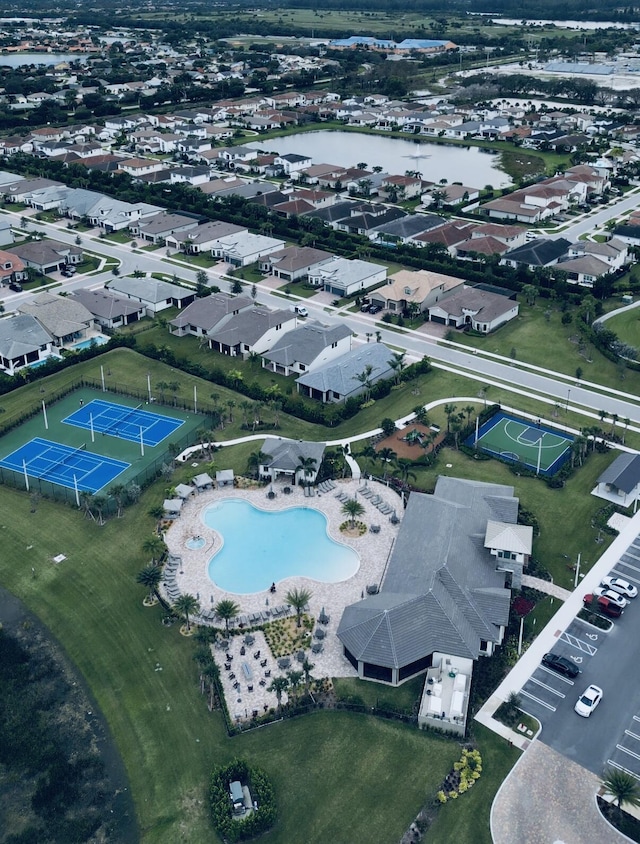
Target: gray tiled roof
{"type": "Point", "coordinates": [60, 315]}
{"type": "Point", "coordinates": [623, 473]}
{"type": "Point", "coordinates": [305, 343]}
{"type": "Point", "coordinates": [208, 312]}
{"type": "Point", "coordinates": [149, 289]}
{"type": "Point", "coordinates": [411, 225]}
{"type": "Point", "coordinates": [442, 590]}
{"type": "Point", "coordinates": [101, 303]}
{"type": "Point", "coordinates": [249, 326]}
{"type": "Point", "coordinates": [340, 376]}
{"type": "Point", "coordinates": [539, 252]}
{"type": "Point", "coordinates": [286, 454]}
{"type": "Point", "coordinates": [20, 335]}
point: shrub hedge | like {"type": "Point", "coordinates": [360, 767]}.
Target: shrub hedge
{"type": "Point", "coordinates": [260, 820]}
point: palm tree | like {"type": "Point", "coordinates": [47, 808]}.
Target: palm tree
{"type": "Point", "coordinates": [387, 456]}
{"type": "Point", "coordinates": [364, 378]}
{"type": "Point", "coordinates": [187, 605]}
{"type": "Point", "coordinates": [627, 422]}
{"type": "Point", "coordinates": [405, 471]}
{"type": "Point", "coordinates": [119, 493]}
{"type": "Point", "coordinates": [298, 599]}
{"type": "Point", "coordinates": [86, 503]}
{"type": "Point", "coordinates": [307, 667]}
{"type": "Point", "coordinates": [623, 787]}
{"type": "Point", "coordinates": [397, 363]}
{"type": "Point", "coordinates": [256, 459]}
{"type": "Point", "coordinates": [295, 678]}
{"type": "Point", "coordinates": [449, 410]}
{"type": "Point", "coordinates": [278, 686]}
{"type": "Point", "coordinates": [162, 386]}
{"type": "Point", "coordinates": [156, 547]}
{"type": "Point", "coordinates": [468, 409]}
{"type": "Point", "coordinates": [226, 610]}
{"type": "Point", "coordinates": [352, 508]}
{"type": "Point", "coordinates": [306, 465]}
{"type": "Point", "coordinates": [150, 576]}
{"type": "Point", "coordinates": [156, 512]}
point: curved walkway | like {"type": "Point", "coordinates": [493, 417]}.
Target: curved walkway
{"type": "Point", "coordinates": [617, 312]}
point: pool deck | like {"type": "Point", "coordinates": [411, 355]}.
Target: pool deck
{"type": "Point", "coordinates": [192, 578]}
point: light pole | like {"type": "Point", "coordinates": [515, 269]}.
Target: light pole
{"type": "Point", "coordinates": [568, 396]}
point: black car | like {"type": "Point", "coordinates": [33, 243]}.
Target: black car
{"type": "Point", "coordinates": [561, 664]}
{"type": "Point", "coordinates": [15, 285]}
{"type": "Point", "coordinates": [375, 309]}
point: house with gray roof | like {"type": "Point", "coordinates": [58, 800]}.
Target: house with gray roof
{"type": "Point", "coordinates": [294, 263]}
{"type": "Point", "coordinates": [23, 341]}
{"type": "Point", "coordinates": [307, 347]}
{"type": "Point", "coordinates": [65, 319]}
{"type": "Point", "coordinates": [46, 255]}
{"type": "Point", "coordinates": [284, 459]}
{"type": "Point", "coordinates": [156, 295]}
{"type": "Point", "coordinates": [342, 378]}
{"type": "Point", "coordinates": [114, 215]}
{"type": "Point", "coordinates": [444, 601]}
{"type": "Point", "coordinates": [203, 316]}
{"type": "Point", "coordinates": [404, 229]}
{"type": "Point", "coordinates": [541, 252]}
{"type": "Point", "coordinates": [252, 331]}
{"type": "Point", "coordinates": [344, 277]}
{"type": "Point", "coordinates": [245, 248]}
{"type": "Point", "coordinates": [620, 481]}
{"type": "Point", "coordinates": [21, 189]}
{"type": "Point", "coordinates": [78, 202]}
{"type": "Point", "coordinates": [482, 310]}
{"type": "Point", "coordinates": [203, 237]}
{"type": "Point", "coordinates": [157, 228]}
{"type": "Point", "coordinates": [109, 310]}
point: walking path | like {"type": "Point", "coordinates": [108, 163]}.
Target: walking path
{"type": "Point", "coordinates": [546, 586]}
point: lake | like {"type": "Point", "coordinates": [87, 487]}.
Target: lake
{"type": "Point", "coordinates": [472, 166]}
{"type": "Point", "coordinates": [21, 59]}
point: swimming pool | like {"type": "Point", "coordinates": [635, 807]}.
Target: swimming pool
{"type": "Point", "coordinates": [261, 548]}
{"type": "Point", "coordinates": [98, 340]}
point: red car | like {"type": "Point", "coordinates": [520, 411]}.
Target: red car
{"type": "Point", "coordinates": [603, 605]}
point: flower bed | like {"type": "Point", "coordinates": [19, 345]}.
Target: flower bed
{"type": "Point", "coordinates": [285, 638]}
{"type": "Point", "coordinates": [462, 777]}
{"type": "Point", "coordinates": [353, 528]}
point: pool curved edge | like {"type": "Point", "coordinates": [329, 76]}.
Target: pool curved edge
{"type": "Point", "coordinates": [218, 544]}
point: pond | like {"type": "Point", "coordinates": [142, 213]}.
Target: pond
{"type": "Point", "coordinates": [22, 59]}
{"type": "Point", "coordinates": [472, 166]}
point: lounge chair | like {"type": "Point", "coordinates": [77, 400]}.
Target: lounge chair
{"type": "Point", "coordinates": [317, 647]}
{"type": "Point", "coordinates": [374, 528]}
{"type": "Point", "coordinates": [368, 493]}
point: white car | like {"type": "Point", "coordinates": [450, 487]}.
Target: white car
{"type": "Point", "coordinates": [588, 700]}
{"type": "Point", "coordinates": [617, 584]}
{"type": "Point", "coordinates": [614, 597]}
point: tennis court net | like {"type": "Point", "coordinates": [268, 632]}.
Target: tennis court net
{"type": "Point", "coordinates": [64, 459]}
{"type": "Point", "coordinates": [115, 425]}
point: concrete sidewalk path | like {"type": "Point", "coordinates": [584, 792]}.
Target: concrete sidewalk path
{"type": "Point", "coordinates": [548, 799]}
{"type": "Point", "coordinates": [545, 586]}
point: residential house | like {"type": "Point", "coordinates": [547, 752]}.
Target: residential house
{"type": "Point", "coordinates": [110, 311]}
{"type": "Point", "coordinates": [445, 598]}
{"type": "Point", "coordinates": [396, 188]}
{"type": "Point", "coordinates": [11, 268]}
{"type": "Point", "coordinates": [414, 290]}
{"type": "Point", "coordinates": [20, 190]}
{"type": "Point", "coordinates": [203, 316]}
{"type": "Point", "coordinates": [251, 331]}
{"type": "Point", "coordinates": [294, 263]}
{"type": "Point", "coordinates": [47, 256]}
{"type": "Point", "coordinates": [65, 319]}
{"type": "Point", "coordinates": [295, 461]}
{"type": "Point", "coordinates": [157, 228]}
{"type": "Point", "coordinates": [292, 162]}
{"type": "Point", "coordinates": [245, 248]}
{"type": "Point", "coordinates": [343, 277]}
{"type": "Point", "coordinates": [349, 375]}
{"type": "Point", "coordinates": [481, 310]}
{"type": "Point", "coordinates": [406, 229]}
{"type": "Point", "coordinates": [307, 347]}
{"type": "Point", "coordinates": [540, 252]}
{"type": "Point", "coordinates": [450, 236]}
{"type": "Point", "coordinates": [23, 341]}
{"type": "Point", "coordinates": [139, 166]}
{"type": "Point", "coordinates": [156, 295]}
{"type": "Point", "coordinates": [203, 237]}
{"type": "Point", "coordinates": [614, 252]}
{"type": "Point", "coordinates": [584, 270]}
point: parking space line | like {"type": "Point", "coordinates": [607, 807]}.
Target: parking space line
{"type": "Point", "coordinates": [537, 700]}
{"type": "Point", "coordinates": [633, 735]}
{"type": "Point", "coordinates": [626, 576]}
{"type": "Point", "coordinates": [544, 686]}
{"type": "Point", "coordinates": [635, 718]}
{"type": "Point", "coordinates": [623, 749]}
{"type": "Point", "coordinates": [585, 647]}
{"type": "Point", "coordinates": [623, 562]}
{"type": "Point", "coordinates": [622, 768]}
{"type": "Point", "coordinates": [557, 676]}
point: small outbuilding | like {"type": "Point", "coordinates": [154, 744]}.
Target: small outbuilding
{"type": "Point", "coordinates": [224, 478]}
{"type": "Point", "coordinates": [620, 482]}
{"type": "Point", "coordinates": [202, 481]}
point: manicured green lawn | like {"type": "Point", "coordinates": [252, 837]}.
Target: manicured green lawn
{"type": "Point", "coordinates": [466, 820]}
{"type": "Point", "coordinates": [627, 326]}
{"type": "Point", "coordinates": [547, 343]}
{"type": "Point", "coordinates": [375, 694]}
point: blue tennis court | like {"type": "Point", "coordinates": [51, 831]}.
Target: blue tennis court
{"type": "Point", "coordinates": [63, 465]}
{"type": "Point", "coordinates": [126, 423]}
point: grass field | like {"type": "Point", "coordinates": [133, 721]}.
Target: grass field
{"type": "Point", "coordinates": [626, 326]}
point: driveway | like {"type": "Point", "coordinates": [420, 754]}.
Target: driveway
{"type": "Point", "coordinates": [548, 799]}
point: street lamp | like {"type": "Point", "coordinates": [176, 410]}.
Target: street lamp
{"type": "Point", "coordinates": [568, 395]}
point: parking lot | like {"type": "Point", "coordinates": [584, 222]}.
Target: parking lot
{"type": "Point", "coordinates": [611, 735]}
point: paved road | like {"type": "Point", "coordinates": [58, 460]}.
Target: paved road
{"type": "Point", "coordinates": [486, 369]}
{"type": "Point", "coordinates": [627, 203]}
